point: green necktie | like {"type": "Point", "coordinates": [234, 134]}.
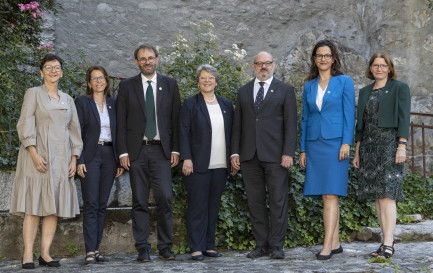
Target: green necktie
{"type": "Point", "coordinates": [150, 130]}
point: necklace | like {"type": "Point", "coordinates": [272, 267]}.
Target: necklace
{"type": "Point", "coordinates": [210, 101]}
{"type": "Point", "coordinates": [56, 98]}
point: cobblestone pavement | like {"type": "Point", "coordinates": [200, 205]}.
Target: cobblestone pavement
{"type": "Point", "coordinates": [409, 257]}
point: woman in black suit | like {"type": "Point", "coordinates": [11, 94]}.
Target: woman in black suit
{"type": "Point", "coordinates": [205, 124]}
{"type": "Point", "coordinates": [98, 163]}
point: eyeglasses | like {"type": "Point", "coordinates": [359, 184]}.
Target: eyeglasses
{"type": "Point", "coordinates": [53, 68]}
{"type": "Point", "coordinates": [320, 56]}
{"type": "Point", "coordinates": [377, 66]}
{"type": "Point", "coordinates": [150, 60]}
{"type": "Point", "coordinates": [260, 64]}
{"type": "Point", "coordinates": [94, 79]}
{"type": "Point", "coordinates": [207, 78]}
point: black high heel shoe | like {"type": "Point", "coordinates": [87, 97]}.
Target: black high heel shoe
{"type": "Point", "coordinates": [27, 265]}
{"type": "Point", "coordinates": [52, 263]}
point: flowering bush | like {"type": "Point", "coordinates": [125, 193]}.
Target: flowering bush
{"type": "Point", "coordinates": [187, 54]}
{"type": "Point", "coordinates": [21, 51]}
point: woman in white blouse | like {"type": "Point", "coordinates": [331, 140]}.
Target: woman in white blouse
{"type": "Point", "coordinates": [204, 135]}
{"type": "Point", "coordinates": [328, 122]}
{"type": "Point", "coordinates": [98, 164]}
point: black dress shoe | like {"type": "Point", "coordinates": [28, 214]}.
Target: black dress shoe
{"type": "Point", "coordinates": [166, 254]}
{"type": "Point", "coordinates": [198, 257]}
{"type": "Point", "coordinates": [337, 250]}
{"type": "Point", "coordinates": [277, 253]}
{"type": "Point", "coordinates": [52, 263]}
{"type": "Point", "coordinates": [324, 257]}
{"type": "Point", "coordinates": [143, 255]}
{"type": "Point", "coordinates": [213, 254]}
{"type": "Point", "coordinates": [258, 252]}
{"type": "Point", "coordinates": [27, 265]}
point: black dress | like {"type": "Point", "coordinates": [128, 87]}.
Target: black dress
{"type": "Point", "coordinates": [379, 176]}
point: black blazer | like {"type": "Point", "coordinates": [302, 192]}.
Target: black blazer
{"type": "Point", "coordinates": [90, 124]}
{"type": "Point", "coordinates": [195, 131]}
{"type": "Point", "coordinates": [131, 115]}
{"type": "Point", "coordinates": [272, 132]}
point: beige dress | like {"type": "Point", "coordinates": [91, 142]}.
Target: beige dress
{"type": "Point", "coordinates": [53, 128]}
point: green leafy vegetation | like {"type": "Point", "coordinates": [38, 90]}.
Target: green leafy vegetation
{"type": "Point", "coordinates": [21, 51]}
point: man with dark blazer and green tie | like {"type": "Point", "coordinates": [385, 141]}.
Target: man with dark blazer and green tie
{"type": "Point", "coordinates": [147, 142]}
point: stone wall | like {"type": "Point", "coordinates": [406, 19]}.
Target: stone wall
{"type": "Point", "coordinates": [109, 31]}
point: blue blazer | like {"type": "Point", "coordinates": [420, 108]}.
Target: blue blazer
{"type": "Point", "coordinates": [337, 117]}
{"type": "Point", "coordinates": [90, 124]}
{"type": "Point", "coordinates": [195, 131]}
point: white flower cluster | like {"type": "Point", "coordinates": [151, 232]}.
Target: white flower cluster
{"type": "Point", "coordinates": [237, 54]}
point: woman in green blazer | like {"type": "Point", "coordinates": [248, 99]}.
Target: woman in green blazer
{"type": "Point", "coordinates": [382, 131]}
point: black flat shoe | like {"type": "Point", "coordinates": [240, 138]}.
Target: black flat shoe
{"type": "Point", "coordinates": [52, 263]}
{"type": "Point", "coordinates": [27, 265]}
{"type": "Point", "coordinates": [323, 257]}
{"type": "Point", "coordinates": [213, 254]}
{"type": "Point", "coordinates": [337, 250]}
{"type": "Point", "coordinates": [197, 257]}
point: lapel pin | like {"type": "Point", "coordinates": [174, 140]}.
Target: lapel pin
{"type": "Point", "coordinates": [109, 106]}
{"type": "Point", "coordinates": [329, 92]}
{"type": "Point", "coordinates": [224, 111]}
{"type": "Point", "coordinates": [160, 88]}
{"type": "Point", "coordinates": [272, 91]}
{"type": "Point", "coordinates": [386, 91]}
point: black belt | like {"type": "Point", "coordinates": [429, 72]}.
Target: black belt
{"type": "Point", "coordinates": [151, 142]}
{"type": "Point", "coordinates": [103, 143]}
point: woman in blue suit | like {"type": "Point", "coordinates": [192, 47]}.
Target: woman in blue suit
{"type": "Point", "coordinates": [98, 163]}
{"type": "Point", "coordinates": [205, 123]}
{"type": "Point", "coordinates": [327, 128]}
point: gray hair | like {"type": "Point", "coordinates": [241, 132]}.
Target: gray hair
{"type": "Point", "coordinates": [207, 68]}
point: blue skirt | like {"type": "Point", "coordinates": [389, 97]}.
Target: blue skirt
{"type": "Point", "coordinates": [325, 174]}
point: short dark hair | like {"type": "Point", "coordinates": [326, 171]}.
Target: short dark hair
{"type": "Point", "coordinates": [49, 58]}
{"type": "Point", "coordinates": [208, 68]}
{"type": "Point", "coordinates": [381, 54]}
{"type": "Point", "coordinates": [145, 46]}
{"type": "Point", "coordinates": [336, 66]}
{"type": "Point", "coordinates": [89, 90]}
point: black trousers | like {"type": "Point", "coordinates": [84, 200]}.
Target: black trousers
{"type": "Point", "coordinates": [261, 178]}
{"type": "Point", "coordinates": [151, 169]}
{"type": "Point", "coordinates": [204, 191]}
{"type": "Point", "coordinates": [96, 188]}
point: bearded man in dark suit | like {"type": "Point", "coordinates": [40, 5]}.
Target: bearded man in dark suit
{"type": "Point", "coordinates": [147, 141]}
{"type": "Point", "coordinates": [263, 145]}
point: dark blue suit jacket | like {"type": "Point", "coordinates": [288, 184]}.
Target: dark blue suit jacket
{"type": "Point", "coordinates": [195, 130]}
{"type": "Point", "coordinates": [90, 124]}
{"type": "Point", "coordinates": [337, 117]}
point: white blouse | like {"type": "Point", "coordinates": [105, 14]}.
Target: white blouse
{"type": "Point", "coordinates": [218, 147]}
{"type": "Point", "coordinates": [105, 124]}
{"type": "Point", "coordinates": [319, 97]}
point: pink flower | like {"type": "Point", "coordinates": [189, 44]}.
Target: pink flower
{"type": "Point", "coordinates": [12, 25]}
{"type": "Point", "coordinates": [34, 15]}
{"type": "Point", "coordinates": [48, 46]}
{"type": "Point", "coordinates": [42, 14]}
{"type": "Point", "coordinates": [39, 47]}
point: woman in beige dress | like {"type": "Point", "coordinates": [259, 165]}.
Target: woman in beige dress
{"type": "Point", "coordinates": [44, 185]}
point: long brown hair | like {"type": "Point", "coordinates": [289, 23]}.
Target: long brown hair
{"type": "Point", "coordinates": [336, 66]}
{"type": "Point", "coordinates": [89, 91]}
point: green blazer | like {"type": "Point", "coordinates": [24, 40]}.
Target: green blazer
{"type": "Point", "coordinates": [394, 108]}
